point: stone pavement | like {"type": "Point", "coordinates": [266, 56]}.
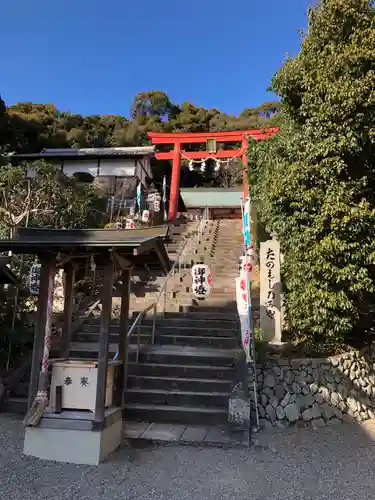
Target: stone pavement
{"type": "Point", "coordinates": [333, 463]}
{"type": "Point", "coordinates": [185, 434]}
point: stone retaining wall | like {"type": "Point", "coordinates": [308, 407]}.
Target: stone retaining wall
{"type": "Point", "coordinates": [315, 392]}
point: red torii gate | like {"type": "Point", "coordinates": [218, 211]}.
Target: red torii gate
{"type": "Point", "coordinates": [179, 139]}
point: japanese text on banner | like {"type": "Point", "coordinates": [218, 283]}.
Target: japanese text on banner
{"type": "Point", "coordinates": [202, 281]}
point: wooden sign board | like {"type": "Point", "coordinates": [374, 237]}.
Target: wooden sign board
{"type": "Point", "coordinates": [270, 291]}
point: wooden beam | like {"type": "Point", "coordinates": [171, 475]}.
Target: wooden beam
{"type": "Point", "coordinates": [201, 137]}
{"type": "Point", "coordinates": [196, 139]}
{"type": "Point", "coordinates": [122, 378]}
{"type": "Point", "coordinates": [103, 343]}
{"type": "Point", "coordinates": [198, 155]}
{"type": "Point", "coordinates": [145, 247]}
{"type": "Point", "coordinates": [68, 309]}
{"type": "Point", "coordinates": [48, 266]}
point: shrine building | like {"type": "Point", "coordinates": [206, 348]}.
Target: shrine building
{"type": "Point", "coordinates": [212, 203]}
{"type": "Point", "coordinates": [116, 171]}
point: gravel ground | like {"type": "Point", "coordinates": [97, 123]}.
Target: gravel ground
{"type": "Point", "coordinates": [331, 463]}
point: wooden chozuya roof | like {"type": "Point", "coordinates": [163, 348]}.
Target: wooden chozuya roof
{"type": "Point", "coordinates": [136, 245]}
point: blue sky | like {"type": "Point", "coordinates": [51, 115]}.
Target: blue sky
{"type": "Point", "coordinates": [93, 56]}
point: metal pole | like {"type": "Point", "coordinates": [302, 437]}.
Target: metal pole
{"type": "Point", "coordinates": [138, 341]}
{"type": "Point", "coordinates": [248, 294]}
{"type": "Point", "coordinates": [153, 325]}
{"type": "Point", "coordinates": [165, 297]}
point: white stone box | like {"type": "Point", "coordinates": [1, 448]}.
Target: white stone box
{"type": "Point", "coordinates": [78, 380]}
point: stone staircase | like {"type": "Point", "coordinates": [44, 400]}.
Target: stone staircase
{"type": "Point", "coordinates": [186, 377]}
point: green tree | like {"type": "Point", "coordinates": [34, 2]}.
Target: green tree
{"type": "Point", "coordinates": [40, 194]}
{"type": "Point", "coordinates": [27, 127]}
{"type": "Point", "coordinates": [314, 183]}
{"type": "Point", "coordinates": [152, 103]}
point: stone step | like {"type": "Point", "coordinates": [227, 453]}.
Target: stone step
{"type": "Point", "coordinates": [197, 341]}
{"type": "Point", "coordinates": [187, 319]}
{"type": "Point", "coordinates": [168, 330]}
{"type": "Point", "coordinates": [15, 405]}
{"type": "Point", "coordinates": [162, 354]}
{"type": "Point", "coordinates": [230, 309]}
{"type": "Point", "coordinates": [217, 294]}
{"type": "Point", "coordinates": [214, 320]}
{"type": "Point", "coordinates": [178, 398]}
{"type": "Point", "coordinates": [182, 340]}
{"type": "Point", "coordinates": [179, 384]}
{"type": "Point", "coordinates": [187, 306]}
{"type": "Point", "coordinates": [175, 414]}
{"type": "Point", "coordinates": [216, 289]}
{"type": "Point", "coordinates": [189, 355]}
{"type": "Point", "coordinates": [197, 435]}
{"type": "Point", "coordinates": [21, 390]}
{"type": "Point", "coordinates": [185, 299]}
{"type": "Point", "coordinates": [181, 370]}
{"type": "Point", "coordinates": [90, 350]}
{"type": "Point", "coordinates": [192, 315]}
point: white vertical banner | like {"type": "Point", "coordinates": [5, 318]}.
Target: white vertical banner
{"type": "Point", "coordinates": [243, 283]}
{"type": "Point", "coordinates": [243, 313]}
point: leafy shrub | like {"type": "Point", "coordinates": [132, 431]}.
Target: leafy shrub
{"type": "Point", "coordinates": [314, 182]}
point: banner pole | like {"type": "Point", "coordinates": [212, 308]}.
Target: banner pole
{"type": "Point", "coordinates": [247, 244]}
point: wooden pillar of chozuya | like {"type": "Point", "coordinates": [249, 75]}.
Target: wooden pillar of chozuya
{"type": "Point", "coordinates": [105, 324]}
{"type": "Point", "coordinates": [48, 268]}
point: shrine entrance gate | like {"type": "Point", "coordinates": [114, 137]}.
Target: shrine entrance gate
{"type": "Point", "coordinates": [211, 139]}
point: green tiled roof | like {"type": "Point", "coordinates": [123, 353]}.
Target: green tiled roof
{"type": "Point", "coordinates": [211, 197]}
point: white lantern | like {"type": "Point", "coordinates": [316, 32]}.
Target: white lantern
{"type": "Point", "coordinates": [202, 280]}
{"type": "Point", "coordinates": [156, 206]}
{"type": "Point", "coordinates": [34, 278]}
{"type": "Point", "coordinates": [129, 224]}
{"type": "Point", "coordinates": [145, 215]}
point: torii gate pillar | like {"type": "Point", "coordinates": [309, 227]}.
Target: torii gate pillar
{"type": "Point", "coordinates": [175, 182]}
{"type": "Point", "coordinates": [178, 139]}
{"type": "Point", "coordinates": [244, 146]}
